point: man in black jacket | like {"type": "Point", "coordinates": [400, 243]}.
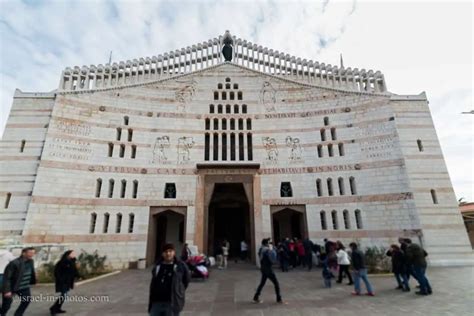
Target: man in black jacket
{"type": "Point", "coordinates": [360, 271]}
{"type": "Point", "coordinates": [170, 278]}
{"type": "Point", "coordinates": [19, 276]}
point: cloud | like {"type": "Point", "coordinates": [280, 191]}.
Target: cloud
{"type": "Point", "coordinates": [418, 46]}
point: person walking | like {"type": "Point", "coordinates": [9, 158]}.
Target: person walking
{"type": "Point", "coordinates": [416, 257]}
{"type": "Point", "coordinates": [18, 277]}
{"type": "Point", "coordinates": [360, 271]}
{"type": "Point", "coordinates": [244, 250]}
{"type": "Point", "coordinates": [327, 274]}
{"type": "Point", "coordinates": [404, 242]}
{"type": "Point", "coordinates": [308, 250]}
{"type": "Point", "coordinates": [343, 262]}
{"type": "Point", "coordinates": [170, 279]}
{"type": "Point", "coordinates": [65, 273]}
{"type": "Point", "coordinates": [293, 252]}
{"type": "Point", "coordinates": [267, 256]}
{"type": "Point", "coordinates": [399, 267]}
{"type": "Point", "coordinates": [5, 257]}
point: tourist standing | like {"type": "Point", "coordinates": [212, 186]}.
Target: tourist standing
{"type": "Point", "coordinates": [225, 253]}
{"type": "Point", "coordinates": [18, 277]}
{"type": "Point", "coordinates": [5, 257]}
{"type": "Point", "coordinates": [404, 242]}
{"type": "Point", "coordinates": [244, 250]}
{"type": "Point", "coordinates": [399, 267]}
{"type": "Point", "coordinates": [416, 257]}
{"type": "Point", "coordinates": [283, 257]}
{"type": "Point", "coordinates": [308, 250]}
{"type": "Point", "coordinates": [267, 256]}
{"type": "Point", "coordinates": [360, 271]}
{"type": "Point", "coordinates": [65, 273]}
{"type": "Point", "coordinates": [343, 262]}
{"type": "Point", "coordinates": [170, 278]}
{"type": "Point", "coordinates": [327, 274]}
{"type": "Point", "coordinates": [293, 252]}
{"type": "Point", "coordinates": [301, 253]}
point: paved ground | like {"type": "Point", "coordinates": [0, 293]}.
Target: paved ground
{"type": "Point", "coordinates": [229, 293]}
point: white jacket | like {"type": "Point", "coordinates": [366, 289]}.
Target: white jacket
{"type": "Point", "coordinates": [342, 257]}
{"type": "Point", "coordinates": [5, 257]}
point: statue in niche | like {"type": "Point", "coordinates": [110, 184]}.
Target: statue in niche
{"type": "Point", "coordinates": [184, 145]}
{"type": "Point", "coordinates": [159, 154]}
{"type": "Point", "coordinates": [285, 189]}
{"type": "Point", "coordinates": [170, 191]}
{"type": "Point", "coordinates": [295, 148]}
{"type": "Point", "coordinates": [268, 96]}
{"type": "Point", "coordinates": [185, 94]}
{"type": "Point", "coordinates": [227, 49]}
{"type": "Point", "coordinates": [269, 143]}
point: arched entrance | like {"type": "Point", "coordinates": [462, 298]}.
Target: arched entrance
{"type": "Point", "coordinates": [289, 222]}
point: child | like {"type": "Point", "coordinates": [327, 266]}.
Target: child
{"type": "Point", "coordinates": [327, 274]}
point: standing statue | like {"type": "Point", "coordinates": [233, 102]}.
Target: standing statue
{"type": "Point", "coordinates": [159, 154]}
{"type": "Point", "coordinates": [184, 145]}
{"type": "Point", "coordinates": [269, 143]}
{"type": "Point", "coordinates": [227, 49]}
{"type": "Point", "coordinates": [295, 148]}
{"type": "Point", "coordinates": [268, 96]}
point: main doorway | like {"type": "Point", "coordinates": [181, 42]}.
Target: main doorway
{"type": "Point", "coordinates": [228, 218]}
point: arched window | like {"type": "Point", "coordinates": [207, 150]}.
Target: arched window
{"type": "Point", "coordinates": [224, 95]}
{"type": "Point", "coordinates": [211, 108]}
{"type": "Point", "coordinates": [319, 189]}
{"type": "Point", "coordinates": [105, 229]}
{"type": "Point", "coordinates": [347, 221]}
{"type": "Point", "coordinates": [215, 147]}
{"type": "Point", "coordinates": [216, 95]}
{"type": "Point", "coordinates": [236, 86]}
{"type": "Point", "coordinates": [232, 144]}
{"type": "Point", "coordinates": [420, 145]}
{"type": "Point", "coordinates": [241, 124]}
{"type": "Point", "coordinates": [131, 222]}
{"type": "Point", "coordinates": [232, 124]}
{"type": "Point", "coordinates": [224, 146]}
{"type": "Point", "coordinates": [98, 187]}
{"type": "Point", "coordinates": [7, 200]}
{"type": "Point", "coordinates": [216, 124]}
{"type": "Point", "coordinates": [323, 135]}
{"type": "Point", "coordinates": [249, 147]}
{"type": "Point", "coordinates": [241, 146]}
{"type": "Point", "coordinates": [249, 124]}
{"type": "Point", "coordinates": [434, 197]}
{"type": "Point", "coordinates": [130, 134]}
{"type": "Point", "coordinates": [92, 223]}
{"type": "Point", "coordinates": [236, 108]}
{"type": "Point", "coordinates": [358, 218]}
{"type": "Point", "coordinates": [244, 108]}
{"type": "Point", "coordinates": [231, 95]}
{"type": "Point", "coordinates": [326, 121]}
{"type": "Point", "coordinates": [125, 120]}
{"type": "Point", "coordinates": [22, 145]}
{"type": "Point", "coordinates": [340, 183]}
{"type": "Point", "coordinates": [111, 187]}
{"type": "Point", "coordinates": [135, 189]}
{"type": "Point", "coordinates": [219, 86]}
{"type": "Point", "coordinates": [118, 226]}
{"type": "Point", "coordinates": [335, 224]}
{"type": "Point", "coordinates": [228, 109]}
{"type": "Point", "coordinates": [324, 225]}
{"type": "Point", "coordinates": [330, 189]}
{"type": "Point", "coordinates": [123, 188]}
{"type": "Point", "coordinates": [330, 150]}
{"type": "Point", "coordinates": [133, 154]}
{"type": "Point", "coordinates": [341, 149]}
{"type": "Point", "coordinates": [353, 186]}
{"type": "Point", "coordinates": [206, 147]}
{"type": "Point", "coordinates": [122, 151]}
{"type": "Point", "coordinates": [227, 85]}
{"type": "Point", "coordinates": [119, 133]}
{"type": "Point", "coordinates": [239, 95]}
{"type": "Point", "coordinates": [320, 151]}
{"type": "Point", "coordinates": [333, 133]}
{"type": "Point", "coordinates": [208, 124]}
{"type": "Point", "coordinates": [111, 150]}
{"type": "Point", "coordinates": [227, 79]}
{"type": "Point", "coordinates": [224, 124]}
{"type": "Point", "coordinates": [219, 109]}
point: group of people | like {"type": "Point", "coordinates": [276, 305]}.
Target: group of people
{"type": "Point", "coordinates": [295, 252]}
{"type": "Point", "coordinates": [18, 274]}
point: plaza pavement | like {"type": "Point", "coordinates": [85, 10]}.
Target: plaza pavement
{"type": "Point", "coordinates": [229, 292]}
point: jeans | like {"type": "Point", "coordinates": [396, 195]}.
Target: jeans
{"type": "Point", "coordinates": [25, 296]}
{"type": "Point", "coordinates": [162, 309]}
{"type": "Point", "coordinates": [402, 280]}
{"type": "Point", "coordinates": [344, 268]}
{"type": "Point", "coordinates": [361, 274]}
{"type": "Point", "coordinates": [59, 302]}
{"type": "Point", "coordinates": [327, 282]}
{"type": "Point", "coordinates": [268, 275]}
{"type": "Point", "coordinates": [420, 273]}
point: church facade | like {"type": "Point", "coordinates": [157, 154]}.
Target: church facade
{"type": "Point", "coordinates": [224, 140]}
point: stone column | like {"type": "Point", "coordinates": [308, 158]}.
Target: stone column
{"type": "Point", "coordinates": [199, 220]}
{"type": "Point", "coordinates": [258, 214]}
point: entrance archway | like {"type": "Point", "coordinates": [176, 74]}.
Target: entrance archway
{"type": "Point", "coordinates": [228, 218]}
{"type": "Point", "coordinates": [289, 222]}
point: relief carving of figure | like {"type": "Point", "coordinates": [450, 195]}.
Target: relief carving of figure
{"type": "Point", "coordinates": [184, 145]}
{"type": "Point", "coordinates": [269, 143]}
{"type": "Point", "coordinates": [185, 94]}
{"type": "Point", "coordinates": [268, 96]}
{"type": "Point", "coordinates": [295, 148]}
{"type": "Point", "coordinates": [159, 150]}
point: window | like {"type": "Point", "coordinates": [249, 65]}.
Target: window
{"type": "Point", "coordinates": [211, 108]}
{"type": "Point", "coordinates": [22, 145]}
{"type": "Point", "coordinates": [236, 86]}
{"type": "Point", "coordinates": [347, 222]}
{"type": "Point", "coordinates": [118, 226]}
{"type": "Point", "coordinates": [125, 120]}
{"type": "Point", "coordinates": [111, 150]}
{"type": "Point", "coordinates": [231, 95]}
{"type": "Point", "coordinates": [135, 189]}
{"type": "Point", "coordinates": [219, 109]}
{"type": "Point", "coordinates": [285, 189]}
{"type": "Point", "coordinates": [353, 186]}
{"type": "Point", "coordinates": [7, 200]}
{"type": "Point", "coordinates": [131, 222]}
{"type": "Point", "coordinates": [434, 197]}
{"type": "Point", "coordinates": [92, 223]}
{"type": "Point", "coordinates": [123, 188]}
{"type": "Point", "coordinates": [241, 124]}
{"type": "Point", "coordinates": [333, 133]}
{"type": "Point", "coordinates": [98, 187]}
{"type": "Point", "coordinates": [228, 108]}
{"type": "Point", "coordinates": [326, 121]}
{"type": "Point", "coordinates": [206, 147]}
{"type": "Point", "coordinates": [241, 146]}
{"type": "Point", "coordinates": [227, 85]}
{"type": "Point", "coordinates": [330, 190]}
{"type": "Point", "coordinates": [236, 108]}
{"type": "Point", "coordinates": [249, 124]}
{"type": "Point", "coordinates": [320, 151]}
{"type": "Point", "coordinates": [133, 154]}
{"type": "Point", "coordinates": [219, 86]}
{"type": "Point", "coordinates": [216, 95]}
{"type": "Point", "coordinates": [324, 225]}
{"type": "Point", "coordinates": [335, 224]}
{"type": "Point", "coordinates": [215, 147]}
{"type": "Point", "coordinates": [111, 187]}
{"type": "Point", "coordinates": [224, 124]}
{"type": "Point", "coordinates": [244, 108]}
{"type": "Point", "coordinates": [239, 95]}
{"type": "Point", "coordinates": [119, 133]}
{"type": "Point", "coordinates": [358, 219]}
{"type": "Point", "coordinates": [224, 147]}
{"type": "Point", "coordinates": [227, 79]}
{"type": "Point", "coordinates": [323, 135]}
{"type": "Point", "coordinates": [232, 144]}
{"type": "Point", "coordinates": [216, 124]}
{"type": "Point", "coordinates": [170, 191]}
{"type": "Point", "coordinates": [319, 189]}
{"type": "Point", "coordinates": [249, 147]}
{"type": "Point", "coordinates": [130, 134]}
{"type": "Point", "coordinates": [224, 95]}
{"type": "Point", "coordinates": [122, 151]}
{"type": "Point", "coordinates": [330, 150]}
{"type": "Point", "coordinates": [340, 183]}
{"type": "Point", "coordinates": [341, 149]}
{"type": "Point", "coordinates": [420, 145]}
{"type": "Point", "coordinates": [232, 124]}
{"type": "Point", "coordinates": [106, 223]}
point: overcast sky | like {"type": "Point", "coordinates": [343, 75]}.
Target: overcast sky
{"type": "Point", "coordinates": [419, 46]}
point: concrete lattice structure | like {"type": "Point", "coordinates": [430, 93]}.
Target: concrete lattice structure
{"type": "Point", "coordinates": [188, 148]}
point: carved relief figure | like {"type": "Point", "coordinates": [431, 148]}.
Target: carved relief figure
{"type": "Point", "coordinates": [159, 153]}
{"type": "Point", "coordinates": [269, 143]}
{"type": "Point", "coordinates": [184, 145]}
{"type": "Point", "coordinates": [295, 148]}
{"type": "Point", "coordinates": [185, 94]}
{"type": "Point", "coordinates": [268, 96]}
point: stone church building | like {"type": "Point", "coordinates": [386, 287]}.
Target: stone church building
{"type": "Point", "coordinates": [224, 139]}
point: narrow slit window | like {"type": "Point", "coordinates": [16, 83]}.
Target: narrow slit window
{"type": "Point", "coordinates": [347, 222]}
{"type": "Point", "coordinates": [98, 187]}
{"type": "Point", "coordinates": [111, 150]}
{"type": "Point", "coordinates": [333, 133]}
{"type": "Point", "coordinates": [420, 145]}
{"type": "Point", "coordinates": [324, 225]}
{"type": "Point", "coordinates": [206, 147]}
{"type": "Point", "coordinates": [105, 229]}
{"type": "Point", "coordinates": [326, 121]}
{"type": "Point", "coordinates": [125, 120]}
{"type": "Point", "coordinates": [130, 134]}
{"type": "Point", "coordinates": [434, 197]}
{"type": "Point", "coordinates": [330, 189]}
{"type": "Point", "coordinates": [319, 189]}
{"type": "Point", "coordinates": [335, 224]}
{"type": "Point", "coordinates": [122, 151]}
{"type": "Point", "coordinates": [244, 108]}
{"type": "Point", "coordinates": [135, 189]}
{"type": "Point", "coordinates": [342, 190]}
{"type": "Point", "coordinates": [119, 133]}
{"type": "Point", "coordinates": [7, 200]}
{"type": "Point", "coordinates": [111, 187]}
{"type": "Point", "coordinates": [352, 184]}
{"type": "Point", "coordinates": [320, 151]}
{"type": "Point", "coordinates": [216, 95]}
{"type": "Point", "coordinates": [93, 223]}
{"type": "Point", "coordinates": [133, 154]}
{"type": "Point", "coordinates": [118, 223]}
{"type": "Point", "coordinates": [323, 135]}
{"type": "Point", "coordinates": [341, 149]}
{"type": "Point", "coordinates": [224, 124]}
{"type": "Point", "coordinates": [224, 147]}
{"type": "Point", "coordinates": [358, 219]}
{"type": "Point", "coordinates": [232, 146]}
{"type": "Point", "coordinates": [249, 124]}
{"type": "Point", "coordinates": [123, 188]}
{"type": "Point", "coordinates": [22, 145]}
{"type": "Point", "coordinates": [215, 147]}
{"type": "Point", "coordinates": [330, 150]}
{"type": "Point", "coordinates": [131, 222]}
{"type": "Point", "coordinates": [241, 146]}
{"type": "Point", "coordinates": [249, 147]}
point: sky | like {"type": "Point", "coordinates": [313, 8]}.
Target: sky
{"type": "Point", "coordinates": [418, 46]}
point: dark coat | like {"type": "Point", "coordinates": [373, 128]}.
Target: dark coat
{"type": "Point", "coordinates": [416, 255]}
{"type": "Point", "coordinates": [398, 261]}
{"type": "Point", "coordinates": [65, 272]}
{"type": "Point", "coordinates": [357, 259]}
{"type": "Point", "coordinates": [179, 284]}
{"type": "Point", "coordinates": [14, 273]}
